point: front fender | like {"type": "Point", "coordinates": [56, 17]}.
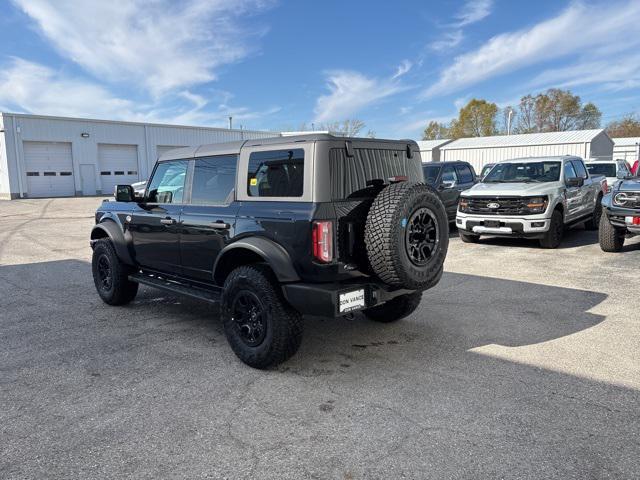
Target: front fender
{"type": "Point", "coordinates": [273, 254]}
{"type": "Point", "coordinates": [117, 237]}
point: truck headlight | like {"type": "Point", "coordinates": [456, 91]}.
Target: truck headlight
{"type": "Point", "coordinates": [629, 200]}
{"type": "Point", "coordinates": [463, 204]}
{"type": "Point", "coordinates": [536, 204]}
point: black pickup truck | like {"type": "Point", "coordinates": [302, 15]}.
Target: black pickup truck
{"type": "Point", "coordinates": [275, 228]}
{"type": "Point", "coordinates": [620, 214]}
{"type": "Point", "coordinates": [450, 179]}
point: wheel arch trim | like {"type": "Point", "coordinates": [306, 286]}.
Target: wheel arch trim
{"type": "Point", "coordinates": [271, 252]}
{"type": "Point", "coordinates": [109, 228]}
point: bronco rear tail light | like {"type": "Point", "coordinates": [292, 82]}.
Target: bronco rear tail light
{"type": "Point", "coordinates": [322, 240]}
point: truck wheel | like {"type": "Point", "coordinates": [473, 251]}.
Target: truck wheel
{"type": "Point", "coordinates": [394, 309]}
{"type": "Point", "coordinates": [468, 237]}
{"type": "Point", "coordinates": [594, 222]}
{"type": "Point", "coordinates": [262, 329]}
{"type": "Point", "coordinates": [111, 276]}
{"type": "Point", "coordinates": [611, 238]}
{"type": "Point", "coordinates": [407, 235]}
{"type": "Point", "coordinates": [553, 236]}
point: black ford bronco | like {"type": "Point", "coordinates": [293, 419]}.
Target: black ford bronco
{"type": "Point", "coordinates": [621, 214]}
{"type": "Point", "coordinates": [272, 229]}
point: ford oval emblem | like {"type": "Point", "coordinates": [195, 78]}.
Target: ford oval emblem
{"type": "Point", "coordinates": [493, 205]}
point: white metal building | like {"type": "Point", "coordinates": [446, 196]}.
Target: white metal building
{"type": "Point", "coordinates": [626, 149]}
{"type": "Point", "coordinates": [430, 149]}
{"type": "Point", "coordinates": [43, 156]}
{"type": "Point", "coordinates": [479, 151]}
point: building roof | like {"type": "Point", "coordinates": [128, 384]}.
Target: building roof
{"type": "Point", "coordinates": [551, 138]}
{"type": "Point", "coordinates": [628, 141]}
{"type": "Point", "coordinates": [431, 144]}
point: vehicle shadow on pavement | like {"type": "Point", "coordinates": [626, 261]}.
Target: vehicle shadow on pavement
{"type": "Point", "coordinates": [153, 390]}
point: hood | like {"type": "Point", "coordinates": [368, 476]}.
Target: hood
{"type": "Point", "coordinates": [632, 185]}
{"type": "Point", "coordinates": [510, 189]}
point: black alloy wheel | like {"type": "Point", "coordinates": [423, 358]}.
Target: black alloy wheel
{"type": "Point", "coordinates": [421, 237]}
{"type": "Point", "coordinates": [105, 273]}
{"type": "Point", "coordinates": [248, 314]}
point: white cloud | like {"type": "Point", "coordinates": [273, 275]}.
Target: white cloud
{"type": "Point", "coordinates": [578, 30]}
{"type": "Point", "coordinates": [160, 45]}
{"type": "Point", "coordinates": [402, 69]}
{"type": "Point", "coordinates": [33, 88]}
{"type": "Point", "coordinates": [447, 41]}
{"type": "Point", "coordinates": [473, 11]}
{"type": "Point", "coordinates": [350, 92]}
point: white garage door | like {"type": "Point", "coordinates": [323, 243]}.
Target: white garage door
{"type": "Point", "coordinates": [49, 168]}
{"type": "Point", "coordinates": [118, 165]}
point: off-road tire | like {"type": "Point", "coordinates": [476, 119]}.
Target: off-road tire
{"type": "Point", "coordinates": [385, 234]}
{"type": "Point", "coordinates": [395, 309]}
{"type": "Point", "coordinates": [111, 276]}
{"type": "Point", "coordinates": [553, 236]}
{"type": "Point", "coordinates": [469, 237]}
{"type": "Point", "coordinates": [611, 238]}
{"type": "Point", "coordinates": [594, 222]}
{"type": "Point", "coordinates": [282, 324]}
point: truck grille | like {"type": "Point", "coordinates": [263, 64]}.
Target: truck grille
{"type": "Point", "coordinates": [506, 206]}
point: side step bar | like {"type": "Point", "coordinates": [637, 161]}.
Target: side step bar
{"type": "Point", "coordinates": [208, 295]}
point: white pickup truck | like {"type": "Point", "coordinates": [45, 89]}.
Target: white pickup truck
{"type": "Point", "coordinates": [532, 198]}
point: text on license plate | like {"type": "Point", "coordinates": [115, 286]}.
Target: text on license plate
{"type": "Point", "coordinates": [351, 300]}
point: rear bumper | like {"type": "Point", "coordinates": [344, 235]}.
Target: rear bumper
{"type": "Point", "coordinates": [534, 226]}
{"type": "Point", "coordinates": [324, 299]}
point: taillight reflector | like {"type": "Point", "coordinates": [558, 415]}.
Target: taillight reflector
{"type": "Point", "coordinates": [322, 240]}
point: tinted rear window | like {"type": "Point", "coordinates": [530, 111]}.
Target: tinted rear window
{"type": "Point", "coordinates": [349, 175]}
{"type": "Point", "coordinates": [276, 173]}
{"type": "Point", "coordinates": [606, 169]}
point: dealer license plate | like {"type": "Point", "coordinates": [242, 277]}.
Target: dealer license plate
{"type": "Point", "coordinates": [351, 301]}
{"type": "Point", "coordinates": [492, 223]}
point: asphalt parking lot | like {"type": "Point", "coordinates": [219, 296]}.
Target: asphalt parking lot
{"type": "Point", "coordinates": [521, 363]}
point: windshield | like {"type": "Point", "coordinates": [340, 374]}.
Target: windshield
{"type": "Point", "coordinates": [524, 172]}
{"type": "Point", "coordinates": [486, 169]}
{"type": "Point", "coordinates": [431, 173]}
{"type": "Point", "coordinates": [606, 169]}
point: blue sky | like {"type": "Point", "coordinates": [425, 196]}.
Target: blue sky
{"type": "Point", "coordinates": [278, 64]}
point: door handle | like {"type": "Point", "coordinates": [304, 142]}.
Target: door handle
{"type": "Point", "coordinates": [220, 224]}
{"type": "Point", "coordinates": [168, 221]}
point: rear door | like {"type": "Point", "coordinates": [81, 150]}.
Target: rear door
{"type": "Point", "coordinates": [154, 223]}
{"type": "Point", "coordinates": [573, 194]}
{"type": "Point", "coordinates": [588, 192]}
{"type": "Point", "coordinates": [208, 219]}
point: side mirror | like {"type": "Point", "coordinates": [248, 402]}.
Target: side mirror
{"type": "Point", "coordinates": [447, 185]}
{"type": "Point", "coordinates": [124, 193]}
{"type": "Point", "coordinates": [575, 182]}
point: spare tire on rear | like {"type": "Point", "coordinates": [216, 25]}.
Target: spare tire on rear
{"type": "Point", "coordinates": [407, 235]}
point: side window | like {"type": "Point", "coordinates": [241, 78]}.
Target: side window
{"type": "Point", "coordinates": [579, 168]}
{"type": "Point", "coordinates": [214, 179]}
{"type": "Point", "coordinates": [464, 173]}
{"type": "Point", "coordinates": [569, 172]}
{"type": "Point", "coordinates": [276, 173]}
{"type": "Point", "coordinates": [167, 184]}
{"type": "Point", "coordinates": [449, 174]}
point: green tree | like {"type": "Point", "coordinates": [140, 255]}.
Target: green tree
{"type": "Point", "coordinates": [435, 131]}
{"type": "Point", "coordinates": [476, 119]}
{"type": "Point", "coordinates": [590, 117]}
{"type": "Point", "coordinates": [629, 126]}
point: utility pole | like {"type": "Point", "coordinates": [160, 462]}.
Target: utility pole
{"type": "Point", "coordinates": [509, 121]}
{"type": "Point", "coordinates": [230, 123]}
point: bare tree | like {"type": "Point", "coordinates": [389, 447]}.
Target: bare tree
{"type": "Point", "coordinates": [345, 128]}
